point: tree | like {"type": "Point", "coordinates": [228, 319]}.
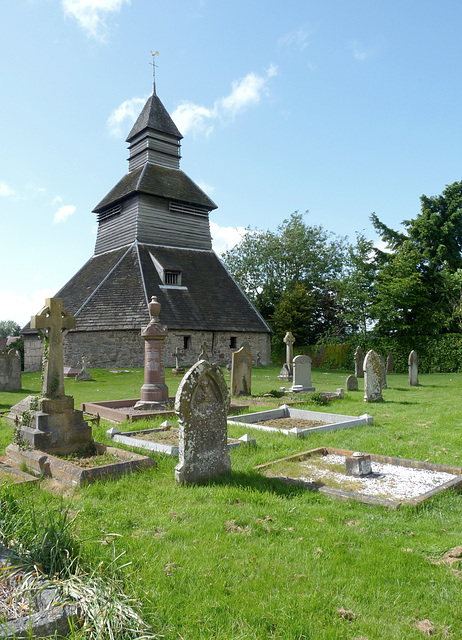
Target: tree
{"type": "Point", "coordinates": [417, 289]}
{"type": "Point", "coordinates": [297, 265]}
{"type": "Point", "coordinates": [357, 288]}
{"type": "Point", "coordinates": [9, 328]}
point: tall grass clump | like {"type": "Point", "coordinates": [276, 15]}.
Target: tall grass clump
{"type": "Point", "coordinates": [47, 553]}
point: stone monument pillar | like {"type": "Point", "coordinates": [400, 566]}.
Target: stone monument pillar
{"type": "Point", "coordinates": [154, 391]}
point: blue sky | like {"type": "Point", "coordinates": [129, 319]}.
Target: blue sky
{"type": "Point", "coordinates": [338, 107]}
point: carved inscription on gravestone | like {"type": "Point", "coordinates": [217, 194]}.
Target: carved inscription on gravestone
{"type": "Point", "coordinates": [202, 403]}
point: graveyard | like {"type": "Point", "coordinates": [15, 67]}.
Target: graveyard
{"type": "Point", "coordinates": [242, 555]}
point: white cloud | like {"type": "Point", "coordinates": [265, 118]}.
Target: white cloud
{"type": "Point", "coordinates": [63, 213]}
{"type": "Point", "coordinates": [6, 191]}
{"type": "Point", "coordinates": [124, 116]}
{"type": "Point", "coordinates": [224, 238]}
{"type": "Point", "coordinates": [248, 91]}
{"type": "Point", "coordinates": [92, 14]}
{"type": "Point", "coordinates": [206, 188]}
{"type": "Point", "coordinates": [20, 307]}
{"type": "Point", "coordinates": [297, 38]}
{"type": "Point", "coordinates": [361, 53]}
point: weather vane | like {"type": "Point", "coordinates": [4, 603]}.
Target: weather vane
{"type": "Point", "coordinates": [154, 54]}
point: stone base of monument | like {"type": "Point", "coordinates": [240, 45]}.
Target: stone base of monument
{"type": "Point", "coordinates": [392, 482]}
{"type": "Point", "coordinates": [299, 388]}
{"type": "Point", "coordinates": [42, 464]}
{"type": "Point", "coordinates": [290, 421]}
{"type": "Point", "coordinates": [162, 440]}
{"type": "Point", "coordinates": [56, 427]}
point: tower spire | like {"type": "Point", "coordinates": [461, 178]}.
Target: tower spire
{"type": "Point", "coordinates": [154, 54]}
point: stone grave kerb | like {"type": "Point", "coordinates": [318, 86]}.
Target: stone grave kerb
{"type": "Point", "coordinates": [154, 389]}
{"type": "Point", "coordinates": [202, 403]}
{"type": "Point", "coordinates": [54, 320]}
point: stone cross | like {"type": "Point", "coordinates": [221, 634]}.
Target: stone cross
{"type": "Point", "coordinates": [289, 342]}
{"type": "Point", "coordinates": [204, 352]}
{"type": "Point", "coordinates": [55, 320]}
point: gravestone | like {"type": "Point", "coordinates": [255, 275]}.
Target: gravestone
{"type": "Point", "coordinates": [202, 403]}
{"type": "Point", "coordinates": [302, 375]}
{"type": "Point", "coordinates": [10, 370]}
{"type": "Point", "coordinates": [287, 371]}
{"type": "Point", "coordinates": [390, 363]}
{"type": "Point", "coordinates": [359, 363]}
{"type": "Point", "coordinates": [383, 372]}
{"type": "Point", "coordinates": [258, 362]}
{"type": "Point", "coordinates": [351, 383]}
{"type": "Point", "coordinates": [372, 377]}
{"type": "Point", "coordinates": [83, 374]}
{"type": "Point", "coordinates": [241, 373]}
{"type": "Point", "coordinates": [53, 425]}
{"type": "Point", "coordinates": [413, 363]}
{"type": "Point", "coordinates": [177, 368]}
{"type": "Point", "coordinates": [204, 354]}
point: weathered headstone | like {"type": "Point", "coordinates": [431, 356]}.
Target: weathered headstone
{"type": "Point", "coordinates": [372, 377]}
{"type": "Point", "coordinates": [204, 354]}
{"type": "Point", "coordinates": [177, 368]}
{"type": "Point", "coordinates": [413, 363]}
{"type": "Point", "coordinates": [258, 362]}
{"type": "Point", "coordinates": [287, 370]}
{"type": "Point", "coordinates": [390, 363]}
{"type": "Point", "coordinates": [83, 374]}
{"type": "Point", "coordinates": [154, 390]}
{"type": "Point", "coordinates": [383, 372]}
{"type": "Point", "coordinates": [351, 383]}
{"type": "Point", "coordinates": [302, 375]}
{"type": "Point", "coordinates": [53, 425]}
{"type": "Point", "coordinates": [10, 371]}
{"type": "Point", "coordinates": [241, 373]}
{"type": "Point", "coordinates": [202, 403]}
{"type": "Point", "coordinates": [359, 363]}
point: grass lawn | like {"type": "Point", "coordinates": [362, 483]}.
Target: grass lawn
{"type": "Point", "coordinates": [244, 557]}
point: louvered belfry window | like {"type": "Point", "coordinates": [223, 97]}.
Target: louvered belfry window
{"type": "Point", "coordinates": [172, 277]}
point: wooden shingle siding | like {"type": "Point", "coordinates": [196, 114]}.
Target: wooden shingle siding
{"type": "Point", "coordinates": [119, 230]}
{"type": "Point", "coordinates": [158, 225]}
{"type": "Point", "coordinates": [161, 150]}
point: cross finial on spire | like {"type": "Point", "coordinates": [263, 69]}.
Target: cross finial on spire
{"type": "Point", "coordinates": [154, 54]}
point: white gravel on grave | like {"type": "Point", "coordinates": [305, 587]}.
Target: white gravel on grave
{"type": "Point", "coordinates": [387, 480]}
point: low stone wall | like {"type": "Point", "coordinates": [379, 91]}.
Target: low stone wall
{"type": "Point", "coordinates": [106, 349]}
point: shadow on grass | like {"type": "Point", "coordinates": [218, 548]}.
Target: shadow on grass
{"type": "Point", "coordinates": [259, 482]}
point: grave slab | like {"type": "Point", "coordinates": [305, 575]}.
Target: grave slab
{"type": "Point", "coordinates": [331, 421]}
{"type": "Point", "coordinates": [392, 483]}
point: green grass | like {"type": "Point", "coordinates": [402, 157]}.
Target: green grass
{"type": "Point", "coordinates": [244, 556]}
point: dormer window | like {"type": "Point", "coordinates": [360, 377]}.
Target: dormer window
{"type": "Point", "coordinates": [172, 277]}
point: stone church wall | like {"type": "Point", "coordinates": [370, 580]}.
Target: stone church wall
{"type": "Point", "coordinates": [118, 348]}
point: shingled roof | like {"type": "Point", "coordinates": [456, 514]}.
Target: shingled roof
{"type": "Point", "coordinates": [112, 291]}
{"type": "Point", "coordinates": [156, 180]}
{"type": "Point", "coordinates": [154, 116]}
